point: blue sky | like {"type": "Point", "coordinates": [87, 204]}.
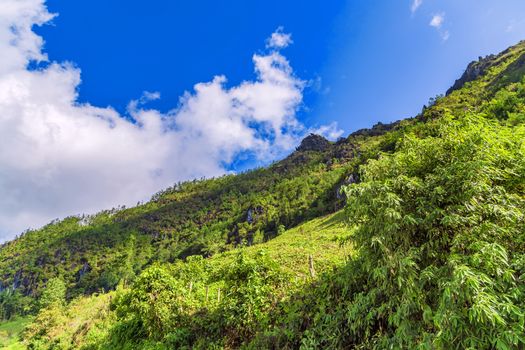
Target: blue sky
{"type": "Point", "coordinates": [103, 103]}
{"type": "Point", "coordinates": [367, 61]}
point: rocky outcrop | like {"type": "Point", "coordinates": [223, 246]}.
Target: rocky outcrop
{"type": "Point", "coordinates": [314, 142]}
{"type": "Point", "coordinates": [350, 179]}
{"type": "Point", "coordinates": [83, 270]}
{"type": "Point", "coordinates": [474, 70]}
{"type": "Point", "coordinates": [376, 130]}
{"type": "Point", "coordinates": [17, 279]}
{"type": "Point", "coordinates": [253, 213]}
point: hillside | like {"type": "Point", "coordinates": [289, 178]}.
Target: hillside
{"type": "Point", "coordinates": [199, 217]}
{"type": "Point", "coordinates": [291, 250]}
{"type": "Point", "coordinates": [422, 246]}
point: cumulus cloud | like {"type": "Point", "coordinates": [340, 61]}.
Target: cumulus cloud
{"type": "Point", "coordinates": [60, 157]}
{"type": "Point", "coordinates": [437, 22]}
{"type": "Point", "coordinates": [330, 131]}
{"type": "Point", "coordinates": [279, 39]}
{"type": "Point", "coordinates": [415, 5]}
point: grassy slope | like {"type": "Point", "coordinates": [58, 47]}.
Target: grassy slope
{"type": "Point", "coordinates": [10, 332]}
{"type": "Point", "coordinates": [317, 237]}
{"type": "Point", "coordinates": [88, 319]}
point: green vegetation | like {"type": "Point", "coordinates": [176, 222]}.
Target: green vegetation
{"type": "Point", "coordinates": [438, 230]}
{"type": "Point", "coordinates": [408, 235]}
{"type": "Point", "coordinates": [10, 332]}
{"type": "Point", "coordinates": [54, 294]}
{"type": "Point", "coordinates": [198, 297]}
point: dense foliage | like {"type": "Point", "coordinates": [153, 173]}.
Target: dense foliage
{"type": "Point", "coordinates": [439, 231]}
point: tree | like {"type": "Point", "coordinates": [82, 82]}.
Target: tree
{"type": "Point", "coordinates": [13, 303]}
{"type": "Point", "coordinates": [54, 294]}
{"type": "Point", "coordinates": [438, 226]}
{"type": "Point", "coordinates": [154, 306]}
{"type": "Point", "coordinates": [252, 286]}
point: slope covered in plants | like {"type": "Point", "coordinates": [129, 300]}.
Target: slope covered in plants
{"type": "Point", "coordinates": [428, 252]}
{"type": "Point", "coordinates": [200, 217]}
{"type": "Point", "coordinates": [198, 293]}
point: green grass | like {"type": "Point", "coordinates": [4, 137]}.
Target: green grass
{"type": "Point", "coordinates": [291, 249]}
{"type": "Point", "coordinates": [10, 331]}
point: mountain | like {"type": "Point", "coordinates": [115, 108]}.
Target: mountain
{"type": "Point", "coordinates": [404, 235]}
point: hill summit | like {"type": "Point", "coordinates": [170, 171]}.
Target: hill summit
{"type": "Point", "coordinates": [314, 142]}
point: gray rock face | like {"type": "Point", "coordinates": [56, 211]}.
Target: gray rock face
{"type": "Point", "coordinates": [474, 70]}
{"type": "Point", "coordinates": [314, 142]}
{"type": "Point", "coordinates": [17, 279]}
{"type": "Point", "coordinates": [376, 130]}
{"type": "Point", "coordinates": [350, 179]}
{"type": "Point", "coordinates": [253, 213]}
{"type": "Point", "coordinates": [83, 270]}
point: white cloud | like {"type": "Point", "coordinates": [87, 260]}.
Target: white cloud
{"type": "Point", "coordinates": [437, 20]}
{"type": "Point", "coordinates": [59, 157]}
{"type": "Point", "coordinates": [279, 39]}
{"type": "Point", "coordinates": [515, 25]}
{"type": "Point", "coordinates": [415, 5]}
{"type": "Point", "coordinates": [330, 131]}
